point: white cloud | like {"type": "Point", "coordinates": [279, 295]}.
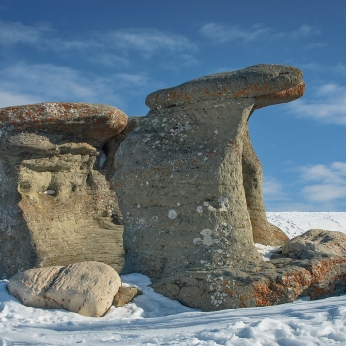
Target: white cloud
{"type": "Point", "coordinates": [147, 41]}
{"type": "Point", "coordinates": [15, 32]}
{"type": "Point", "coordinates": [22, 84]}
{"type": "Point", "coordinates": [109, 48]}
{"type": "Point", "coordinates": [8, 99]}
{"type": "Point", "coordinates": [304, 30]}
{"type": "Point", "coordinates": [222, 33]}
{"type": "Point", "coordinates": [331, 182]}
{"type": "Point", "coordinates": [328, 105]}
{"type": "Point", "coordinates": [324, 192]}
{"type": "Point", "coordinates": [339, 69]}
{"type": "Point", "coordinates": [272, 188]}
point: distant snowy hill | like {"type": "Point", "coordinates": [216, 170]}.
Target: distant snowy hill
{"type": "Point", "coordinates": [156, 320]}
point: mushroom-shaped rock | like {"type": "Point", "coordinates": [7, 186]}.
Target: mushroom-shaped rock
{"type": "Point", "coordinates": [57, 206]}
{"type": "Point", "coordinates": [179, 174]}
{"type": "Point", "coordinates": [264, 84]}
{"type": "Point", "coordinates": [186, 177]}
{"type": "Point", "coordinates": [81, 121]}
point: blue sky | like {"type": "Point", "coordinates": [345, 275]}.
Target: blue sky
{"type": "Point", "coordinates": [117, 52]}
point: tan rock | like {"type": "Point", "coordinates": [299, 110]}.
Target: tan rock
{"type": "Point", "coordinates": [180, 173]}
{"type": "Point", "coordinates": [57, 206]}
{"type": "Point", "coordinates": [190, 190]}
{"type": "Point", "coordinates": [29, 287]}
{"type": "Point", "coordinates": [125, 295]}
{"type": "Point", "coordinates": [87, 288]}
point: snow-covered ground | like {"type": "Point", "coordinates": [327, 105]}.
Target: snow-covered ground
{"type": "Point", "coordinates": [155, 320]}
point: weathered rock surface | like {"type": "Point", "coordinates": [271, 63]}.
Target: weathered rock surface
{"type": "Point", "coordinates": [190, 189]}
{"type": "Point", "coordinates": [276, 282]}
{"type": "Point", "coordinates": [316, 241]}
{"type": "Point", "coordinates": [179, 174]}
{"type": "Point", "coordinates": [87, 288]}
{"type": "Point", "coordinates": [56, 204]}
{"type": "Point", "coordinates": [125, 295]}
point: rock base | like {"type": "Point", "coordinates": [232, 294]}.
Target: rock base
{"type": "Point", "coordinates": [276, 282]}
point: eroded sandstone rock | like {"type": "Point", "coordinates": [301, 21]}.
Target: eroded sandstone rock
{"type": "Point", "coordinates": [56, 204]}
{"type": "Point", "coordinates": [190, 189]}
{"type": "Point", "coordinates": [87, 288]}
{"type": "Point", "coordinates": [179, 174]}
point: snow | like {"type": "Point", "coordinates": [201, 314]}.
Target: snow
{"type": "Point", "coordinates": [156, 320]}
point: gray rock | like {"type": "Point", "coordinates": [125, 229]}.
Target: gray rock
{"type": "Point", "coordinates": [87, 288]}
{"type": "Point", "coordinates": [179, 174]}
{"type": "Point", "coordinates": [56, 205]}
{"type": "Point", "coordinates": [284, 281]}
{"type": "Point", "coordinates": [316, 241]}
{"type": "Point", "coordinates": [190, 190]}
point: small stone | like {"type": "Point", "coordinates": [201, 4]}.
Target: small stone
{"type": "Point", "coordinates": [125, 295]}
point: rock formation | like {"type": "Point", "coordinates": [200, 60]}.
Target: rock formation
{"type": "Point", "coordinates": [179, 174]}
{"type": "Point", "coordinates": [316, 241]}
{"type": "Point", "coordinates": [87, 288]}
{"type": "Point", "coordinates": [56, 204]}
{"type": "Point", "coordinates": [190, 190]}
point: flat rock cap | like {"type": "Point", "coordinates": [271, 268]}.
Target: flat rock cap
{"type": "Point", "coordinates": [269, 84]}
{"type": "Point", "coordinates": [83, 120]}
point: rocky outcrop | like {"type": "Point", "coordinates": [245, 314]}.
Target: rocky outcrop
{"type": "Point", "coordinates": [179, 174]}
{"type": "Point", "coordinates": [56, 205]}
{"type": "Point", "coordinates": [316, 241]}
{"type": "Point", "coordinates": [87, 288]}
{"type": "Point", "coordinates": [276, 282]}
{"type": "Point", "coordinates": [190, 190]}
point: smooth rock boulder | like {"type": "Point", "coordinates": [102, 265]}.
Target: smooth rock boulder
{"type": "Point", "coordinates": [87, 288]}
{"type": "Point", "coordinates": [316, 241]}
{"type": "Point", "coordinates": [57, 206]}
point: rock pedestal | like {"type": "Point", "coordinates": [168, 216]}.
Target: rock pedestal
{"type": "Point", "coordinates": [56, 206]}
{"type": "Point", "coordinates": [179, 174]}
{"type": "Point", "coordinates": [190, 189]}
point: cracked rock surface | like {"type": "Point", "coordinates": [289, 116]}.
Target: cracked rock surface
{"type": "Point", "coordinates": [56, 205]}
